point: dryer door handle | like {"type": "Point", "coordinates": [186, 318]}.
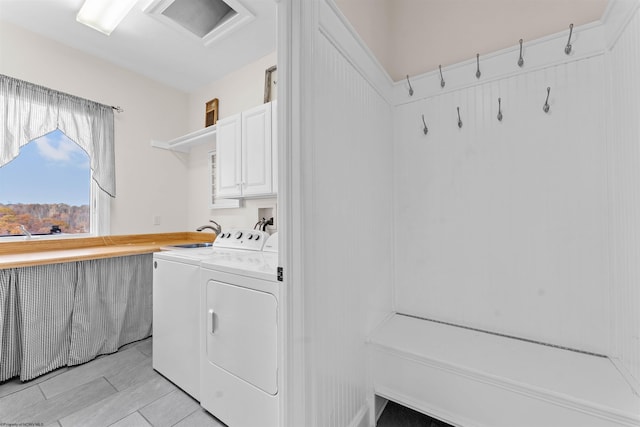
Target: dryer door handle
{"type": "Point", "coordinates": [211, 321]}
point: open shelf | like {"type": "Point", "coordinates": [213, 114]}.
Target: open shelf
{"type": "Point", "coordinates": [185, 142]}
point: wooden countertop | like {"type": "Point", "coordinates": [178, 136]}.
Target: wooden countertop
{"type": "Point", "coordinates": [53, 251]}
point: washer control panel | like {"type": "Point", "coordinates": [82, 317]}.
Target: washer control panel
{"type": "Point", "coordinates": [247, 239]}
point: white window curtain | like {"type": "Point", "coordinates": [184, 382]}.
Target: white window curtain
{"type": "Point", "coordinates": [29, 111]}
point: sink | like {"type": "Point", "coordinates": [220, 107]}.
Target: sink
{"type": "Point", "coordinates": [193, 245]}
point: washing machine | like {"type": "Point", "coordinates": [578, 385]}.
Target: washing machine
{"type": "Point", "coordinates": [176, 322]}
{"type": "Point", "coordinates": [239, 360]}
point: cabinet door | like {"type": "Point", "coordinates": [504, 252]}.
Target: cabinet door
{"type": "Point", "coordinates": [256, 151]}
{"type": "Point", "coordinates": [228, 152]}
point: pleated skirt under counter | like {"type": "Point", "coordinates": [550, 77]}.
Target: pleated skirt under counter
{"type": "Point", "coordinates": [66, 314]}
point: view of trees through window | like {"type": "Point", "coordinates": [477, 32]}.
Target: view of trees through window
{"type": "Point", "coordinates": [47, 188]}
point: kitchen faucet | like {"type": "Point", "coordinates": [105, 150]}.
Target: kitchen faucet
{"type": "Point", "coordinates": [217, 228]}
{"type": "Point", "coordinates": [26, 233]}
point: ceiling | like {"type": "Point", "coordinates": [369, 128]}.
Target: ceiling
{"type": "Point", "coordinates": [149, 46]}
{"type": "Point", "coordinates": [407, 36]}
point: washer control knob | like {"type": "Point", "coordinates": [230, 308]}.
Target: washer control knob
{"type": "Point", "coordinates": [257, 237]}
{"type": "Point", "coordinates": [238, 235]}
{"type": "Point", "coordinates": [250, 236]}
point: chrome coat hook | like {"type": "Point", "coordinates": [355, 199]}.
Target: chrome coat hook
{"type": "Point", "coordinates": [499, 109]}
{"type": "Point", "coordinates": [478, 73]}
{"type": "Point", "coordinates": [545, 108]}
{"type": "Point", "coordinates": [567, 48]}
{"type": "Point", "coordinates": [426, 129]}
{"type": "Point", "coordinates": [441, 78]}
{"type": "Point", "coordinates": [520, 60]}
{"type": "Point", "coordinates": [410, 88]}
{"type": "Point", "coordinates": [459, 121]}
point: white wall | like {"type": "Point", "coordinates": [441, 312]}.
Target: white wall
{"type": "Point", "coordinates": [349, 284]}
{"type": "Point", "coordinates": [149, 181]}
{"type": "Point", "coordinates": [339, 219]}
{"type": "Point", "coordinates": [501, 226]}
{"type": "Point", "coordinates": [528, 227]}
{"type": "Point", "coordinates": [623, 153]}
{"type": "Point", "coordinates": [236, 92]}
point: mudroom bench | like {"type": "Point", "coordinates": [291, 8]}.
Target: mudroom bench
{"type": "Point", "coordinates": [470, 378]}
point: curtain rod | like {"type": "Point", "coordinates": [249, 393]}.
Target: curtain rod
{"type": "Point", "coordinates": [116, 108]}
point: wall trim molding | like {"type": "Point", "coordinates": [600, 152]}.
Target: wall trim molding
{"type": "Point", "coordinates": [293, 350]}
{"type": "Point", "coordinates": [538, 54]}
{"type": "Point", "coordinates": [592, 39]}
{"type": "Point", "coordinates": [339, 31]}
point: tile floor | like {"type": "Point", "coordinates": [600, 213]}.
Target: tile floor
{"type": "Point", "coordinates": [123, 390]}
{"type": "Point", "coordinates": [117, 390]}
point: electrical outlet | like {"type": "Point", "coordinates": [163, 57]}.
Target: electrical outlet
{"type": "Point", "coordinates": [157, 219]}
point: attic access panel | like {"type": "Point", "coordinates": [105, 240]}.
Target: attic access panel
{"type": "Point", "coordinates": [206, 20]}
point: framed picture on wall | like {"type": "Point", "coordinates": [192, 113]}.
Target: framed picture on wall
{"type": "Point", "coordinates": [270, 80]}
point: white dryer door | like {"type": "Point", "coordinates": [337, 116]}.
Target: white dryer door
{"type": "Point", "coordinates": [242, 333]}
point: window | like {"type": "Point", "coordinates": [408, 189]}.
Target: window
{"type": "Point", "coordinates": [47, 188]}
{"type": "Point", "coordinates": [30, 111]}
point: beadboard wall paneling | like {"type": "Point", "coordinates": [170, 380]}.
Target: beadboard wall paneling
{"type": "Point", "coordinates": [349, 277]}
{"type": "Point", "coordinates": [623, 149]}
{"type": "Point", "coordinates": [501, 226]}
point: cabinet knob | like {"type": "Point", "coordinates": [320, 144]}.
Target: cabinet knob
{"type": "Point", "coordinates": [155, 264]}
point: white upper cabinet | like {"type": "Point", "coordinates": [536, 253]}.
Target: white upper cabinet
{"type": "Point", "coordinates": [244, 154]}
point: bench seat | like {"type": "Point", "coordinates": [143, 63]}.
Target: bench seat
{"type": "Point", "coordinates": [471, 378]}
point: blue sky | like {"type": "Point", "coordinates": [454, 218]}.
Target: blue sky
{"type": "Point", "coordinates": [50, 169]}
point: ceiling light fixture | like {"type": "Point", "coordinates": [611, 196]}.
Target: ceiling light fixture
{"type": "Point", "coordinates": [104, 15]}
